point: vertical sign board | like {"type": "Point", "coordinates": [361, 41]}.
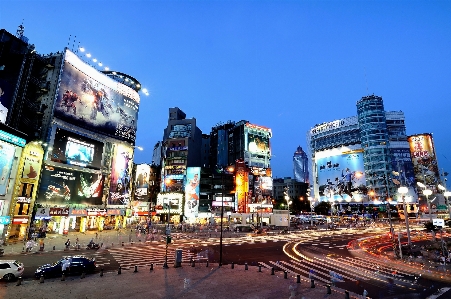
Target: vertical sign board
{"type": "Point", "coordinates": [424, 159]}
{"type": "Point", "coordinates": [192, 192]}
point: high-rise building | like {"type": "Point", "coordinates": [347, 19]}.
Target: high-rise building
{"type": "Point", "coordinates": [300, 166]}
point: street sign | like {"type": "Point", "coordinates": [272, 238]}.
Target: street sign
{"type": "Point", "coordinates": [438, 222]}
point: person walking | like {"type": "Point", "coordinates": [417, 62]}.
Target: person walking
{"type": "Point", "coordinates": [67, 244]}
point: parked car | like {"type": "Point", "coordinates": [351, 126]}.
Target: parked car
{"type": "Point", "coordinates": [10, 269]}
{"type": "Point", "coordinates": [77, 265]}
{"type": "Point", "coordinates": [243, 227]}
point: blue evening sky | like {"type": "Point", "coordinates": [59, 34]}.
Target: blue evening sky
{"type": "Point", "coordinates": [286, 65]}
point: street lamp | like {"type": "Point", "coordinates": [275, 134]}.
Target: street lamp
{"type": "Point", "coordinates": [447, 194]}
{"type": "Point", "coordinates": [403, 191]}
{"type": "Point", "coordinates": [427, 192]}
{"type": "Point", "coordinates": [229, 169]}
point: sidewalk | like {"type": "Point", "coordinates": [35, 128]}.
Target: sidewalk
{"type": "Point", "coordinates": [183, 282]}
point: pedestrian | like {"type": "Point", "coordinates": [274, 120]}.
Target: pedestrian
{"type": "Point", "coordinates": [67, 244]}
{"type": "Point", "coordinates": [29, 246]}
{"type": "Point", "coordinates": [64, 266]}
{"type": "Point", "coordinates": [96, 235]}
{"type": "Point", "coordinates": [41, 245]}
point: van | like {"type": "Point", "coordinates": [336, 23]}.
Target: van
{"type": "Point", "coordinates": [243, 227]}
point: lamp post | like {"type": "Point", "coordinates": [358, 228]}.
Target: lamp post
{"type": "Point", "coordinates": [447, 194]}
{"type": "Point", "coordinates": [403, 191]}
{"type": "Point", "coordinates": [230, 169]}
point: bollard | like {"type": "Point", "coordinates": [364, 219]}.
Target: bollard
{"type": "Point", "coordinates": [53, 247]}
{"type": "Point", "coordinates": [63, 277]}
{"type": "Point", "coordinates": [19, 281]}
{"type": "Point", "coordinates": [328, 290]}
{"type": "Point", "coordinates": [83, 274]}
{"type": "Point", "coordinates": [151, 267]}
{"type": "Point", "coordinates": [122, 243]}
{"type": "Point", "coordinates": [119, 270]}
{"type": "Point", "coordinates": [207, 264]}
{"type": "Point", "coordinates": [245, 266]}
{"type": "Point", "coordinates": [312, 283]}
{"type": "Point", "coordinates": [193, 264]}
{"type": "Point", "coordinates": [112, 244]}
{"type": "Point", "coordinates": [101, 272]}
{"type": "Point", "coordinates": [259, 268]}
{"type": "Point", "coordinates": [41, 280]}
{"type": "Point", "coordinates": [191, 261]}
{"type": "Point", "coordinates": [233, 265]}
{"type": "Point", "coordinates": [285, 274]}
{"type": "Point", "coordinates": [136, 269]}
{"type": "Point", "coordinates": [346, 294]}
{"type": "Point", "coordinates": [272, 270]}
{"type": "Point", "coordinates": [298, 278]}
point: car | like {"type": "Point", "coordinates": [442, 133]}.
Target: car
{"type": "Point", "coordinates": [10, 269]}
{"type": "Point", "coordinates": [77, 265]}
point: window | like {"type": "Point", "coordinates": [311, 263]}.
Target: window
{"type": "Point", "coordinates": [5, 266]}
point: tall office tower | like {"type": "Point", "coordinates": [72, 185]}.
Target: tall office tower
{"type": "Point", "coordinates": [374, 139]}
{"type": "Point", "coordinates": [300, 166]}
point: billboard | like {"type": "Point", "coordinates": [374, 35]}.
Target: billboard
{"type": "Point", "coordinates": [263, 186]}
{"type": "Point", "coordinates": [69, 186]}
{"type": "Point", "coordinates": [120, 181]}
{"type": "Point", "coordinates": [71, 148]}
{"type": "Point", "coordinates": [6, 160]}
{"type": "Point", "coordinates": [92, 100]}
{"type": "Point", "coordinates": [402, 165]}
{"type": "Point", "coordinates": [192, 192]}
{"type": "Point", "coordinates": [142, 182]}
{"type": "Point", "coordinates": [258, 144]}
{"type": "Point", "coordinates": [334, 172]}
{"type": "Point", "coordinates": [424, 160]}
{"type": "Point", "coordinates": [180, 131]}
{"type": "Point", "coordinates": [169, 203]}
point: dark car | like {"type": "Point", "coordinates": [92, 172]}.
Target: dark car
{"type": "Point", "coordinates": [77, 265]}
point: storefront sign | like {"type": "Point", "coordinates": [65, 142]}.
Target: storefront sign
{"type": "Point", "coordinates": [219, 204]}
{"type": "Point", "coordinates": [141, 213]}
{"type": "Point", "coordinates": [59, 211]}
{"type": "Point", "coordinates": [115, 212]}
{"type": "Point", "coordinates": [12, 139]}
{"type": "Point", "coordinates": [5, 220]}
{"type": "Point", "coordinates": [20, 220]}
{"type": "Point", "coordinates": [97, 212]}
{"type": "Point", "coordinates": [78, 212]}
{"type": "Point", "coordinates": [42, 212]}
{"type": "Point", "coordinates": [24, 199]}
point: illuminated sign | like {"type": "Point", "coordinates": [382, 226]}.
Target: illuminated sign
{"type": "Point", "coordinates": [78, 212]}
{"type": "Point", "coordinates": [12, 139]}
{"type": "Point", "coordinates": [96, 212]}
{"type": "Point", "coordinates": [94, 101]}
{"type": "Point", "coordinates": [71, 148]}
{"type": "Point", "coordinates": [59, 212]}
{"type": "Point", "coordinates": [180, 131]}
{"type": "Point", "coordinates": [169, 201]}
{"type": "Point", "coordinates": [6, 160]}
{"type": "Point", "coordinates": [327, 127]}
{"type": "Point", "coordinates": [424, 159]}
{"type": "Point", "coordinates": [20, 220]}
{"type": "Point", "coordinates": [23, 199]}
{"type": "Point", "coordinates": [5, 220]}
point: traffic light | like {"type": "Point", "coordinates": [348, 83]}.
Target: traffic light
{"type": "Point", "coordinates": [168, 239]}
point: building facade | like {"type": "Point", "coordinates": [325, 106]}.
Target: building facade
{"type": "Point", "coordinates": [300, 166]}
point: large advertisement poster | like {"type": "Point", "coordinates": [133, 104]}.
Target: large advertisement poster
{"type": "Point", "coordinates": [6, 160]}
{"type": "Point", "coordinates": [263, 187]}
{"type": "Point", "coordinates": [424, 160]}
{"type": "Point", "coordinates": [32, 165]}
{"type": "Point", "coordinates": [92, 100]}
{"type": "Point", "coordinates": [120, 184]}
{"type": "Point", "coordinates": [192, 192]}
{"type": "Point", "coordinates": [170, 203]}
{"type": "Point", "coordinates": [258, 144]}
{"type": "Point", "coordinates": [180, 131]}
{"type": "Point", "coordinates": [71, 148]}
{"type": "Point", "coordinates": [341, 177]}
{"type": "Point", "coordinates": [68, 186]}
{"type": "Point", "coordinates": [6, 94]}
{"type": "Point", "coordinates": [142, 182]}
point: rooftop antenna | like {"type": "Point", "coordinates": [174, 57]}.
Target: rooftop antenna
{"type": "Point", "coordinates": [75, 37]}
{"type": "Point", "coordinates": [78, 47]}
{"type": "Point", "coordinates": [366, 81]}
{"type": "Point", "coordinates": [68, 43]}
{"type": "Point", "coordinates": [20, 30]}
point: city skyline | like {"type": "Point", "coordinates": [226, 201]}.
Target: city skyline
{"type": "Point", "coordinates": [270, 63]}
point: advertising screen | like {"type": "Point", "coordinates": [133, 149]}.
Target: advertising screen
{"type": "Point", "coordinates": [424, 160]}
{"type": "Point", "coordinates": [192, 192]}
{"type": "Point", "coordinates": [180, 131]}
{"type": "Point", "coordinates": [166, 201]}
{"type": "Point", "coordinates": [120, 183]}
{"type": "Point", "coordinates": [6, 160]}
{"type": "Point", "coordinates": [263, 186]}
{"type": "Point", "coordinates": [68, 186]}
{"type": "Point", "coordinates": [71, 148]}
{"type": "Point", "coordinates": [31, 167]}
{"type": "Point", "coordinates": [142, 182]}
{"type": "Point", "coordinates": [340, 177]}
{"type": "Point", "coordinates": [258, 144]}
{"type": "Point", "coordinates": [92, 100]}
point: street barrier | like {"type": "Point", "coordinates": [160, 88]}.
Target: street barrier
{"type": "Point", "coordinates": [233, 265]}
{"type": "Point", "coordinates": [136, 269]}
{"type": "Point", "coordinates": [259, 268]}
{"type": "Point", "coordinates": [328, 290]}
{"type": "Point", "coordinates": [346, 294]}
{"type": "Point", "coordinates": [19, 281]}
{"type": "Point", "coordinates": [272, 270]}
{"type": "Point", "coordinates": [63, 277]}
{"type": "Point", "coordinates": [193, 264]}
{"type": "Point", "coordinates": [245, 266]}
{"type": "Point", "coordinates": [101, 272]}
{"type": "Point", "coordinates": [285, 274]}
{"type": "Point", "coordinates": [207, 264]}
{"type": "Point", "coordinates": [312, 283]}
{"type": "Point", "coordinates": [298, 278]}
{"type": "Point", "coordinates": [41, 279]}
{"type": "Point", "coordinates": [119, 271]}
{"type": "Point", "coordinates": [151, 267]}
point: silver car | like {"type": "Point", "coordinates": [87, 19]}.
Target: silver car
{"type": "Point", "coordinates": [10, 269]}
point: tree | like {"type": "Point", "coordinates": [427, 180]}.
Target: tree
{"type": "Point", "coordinates": [322, 208]}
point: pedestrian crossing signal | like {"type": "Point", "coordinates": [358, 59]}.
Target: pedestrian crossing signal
{"type": "Point", "coordinates": [168, 239]}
